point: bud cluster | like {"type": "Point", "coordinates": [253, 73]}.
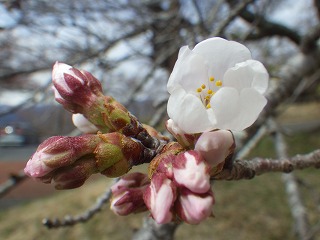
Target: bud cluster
{"type": "Point", "coordinates": [180, 189]}
{"type": "Point", "coordinates": [177, 187]}
{"type": "Point", "coordinates": [69, 161]}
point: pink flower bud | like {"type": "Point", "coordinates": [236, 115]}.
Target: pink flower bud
{"type": "Point", "coordinates": [194, 208]}
{"type": "Point", "coordinates": [74, 89]}
{"type": "Point", "coordinates": [83, 124]}
{"type": "Point", "coordinates": [127, 194]}
{"type": "Point", "coordinates": [215, 146]}
{"type": "Point", "coordinates": [191, 171]}
{"type": "Point", "coordinates": [159, 197]}
{"type": "Point", "coordinates": [57, 152]}
{"type": "Point", "coordinates": [75, 175]}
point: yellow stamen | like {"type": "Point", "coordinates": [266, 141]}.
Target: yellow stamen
{"type": "Point", "coordinates": [203, 86]}
{"type": "Point", "coordinates": [218, 83]}
{"type": "Point", "coordinates": [209, 91]}
{"type": "Point", "coordinates": [199, 90]}
{"type": "Point", "coordinates": [211, 79]}
{"type": "Point", "coordinates": [207, 98]}
{"type": "Point", "coordinates": [208, 105]}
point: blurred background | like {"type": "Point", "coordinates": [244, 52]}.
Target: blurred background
{"type": "Point", "coordinates": [131, 47]}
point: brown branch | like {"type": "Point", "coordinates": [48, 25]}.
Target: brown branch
{"type": "Point", "coordinates": [309, 41]}
{"type": "Point", "coordinates": [247, 169]}
{"type": "Point", "coordinates": [232, 15]}
{"type": "Point", "coordinates": [254, 140]}
{"type": "Point", "coordinates": [267, 28]}
{"type": "Point", "coordinates": [13, 181]}
{"type": "Point", "coordinates": [68, 220]}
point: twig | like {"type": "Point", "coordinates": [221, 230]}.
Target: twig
{"type": "Point", "coordinates": [247, 169]}
{"type": "Point", "coordinates": [250, 145]}
{"type": "Point", "coordinates": [13, 181]}
{"type": "Point", "coordinates": [266, 27]}
{"type": "Point", "coordinates": [153, 231]}
{"type": "Point", "coordinates": [232, 15]}
{"type": "Point", "coordinates": [296, 206]}
{"type": "Point", "coordinates": [309, 42]}
{"type": "Point", "coordinates": [68, 220]}
{"type": "Point", "coordinates": [198, 10]}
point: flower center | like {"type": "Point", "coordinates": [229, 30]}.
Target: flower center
{"type": "Point", "coordinates": [205, 93]}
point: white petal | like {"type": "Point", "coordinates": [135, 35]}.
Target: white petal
{"type": "Point", "coordinates": [251, 104]}
{"type": "Point", "coordinates": [221, 54]}
{"type": "Point", "coordinates": [248, 74]}
{"type": "Point", "coordinates": [190, 72]}
{"type": "Point", "coordinates": [83, 124]}
{"type": "Point", "coordinates": [175, 76]}
{"type": "Point", "coordinates": [188, 112]}
{"type": "Point", "coordinates": [225, 105]}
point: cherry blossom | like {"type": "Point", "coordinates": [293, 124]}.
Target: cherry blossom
{"type": "Point", "coordinates": [216, 86]}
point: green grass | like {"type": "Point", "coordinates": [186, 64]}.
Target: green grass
{"type": "Point", "coordinates": [244, 210]}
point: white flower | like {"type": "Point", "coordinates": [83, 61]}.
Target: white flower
{"type": "Point", "coordinates": [216, 86]}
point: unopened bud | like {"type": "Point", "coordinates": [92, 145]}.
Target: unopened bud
{"type": "Point", "coordinates": [127, 194]}
{"type": "Point", "coordinates": [75, 175]}
{"type": "Point", "coordinates": [215, 147]}
{"type": "Point", "coordinates": [193, 208]}
{"type": "Point", "coordinates": [191, 171]}
{"type": "Point", "coordinates": [113, 155]}
{"type": "Point", "coordinates": [79, 92]}
{"type": "Point", "coordinates": [77, 88]}
{"type": "Point", "coordinates": [159, 197]}
{"type": "Point", "coordinates": [57, 152]}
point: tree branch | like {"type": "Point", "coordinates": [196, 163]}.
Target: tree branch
{"type": "Point", "coordinates": [267, 28]}
{"type": "Point", "coordinates": [13, 181]}
{"type": "Point", "coordinates": [68, 220]}
{"type": "Point", "coordinates": [247, 169]}
{"type": "Point", "coordinates": [232, 15]}
{"type": "Point", "coordinates": [153, 231]}
{"type": "Point", "coordinates": [309, 41]}
{"type": "Point", "coordinates": [297, 208]}
{"type": "Point", "coordinates": [254, 140]}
